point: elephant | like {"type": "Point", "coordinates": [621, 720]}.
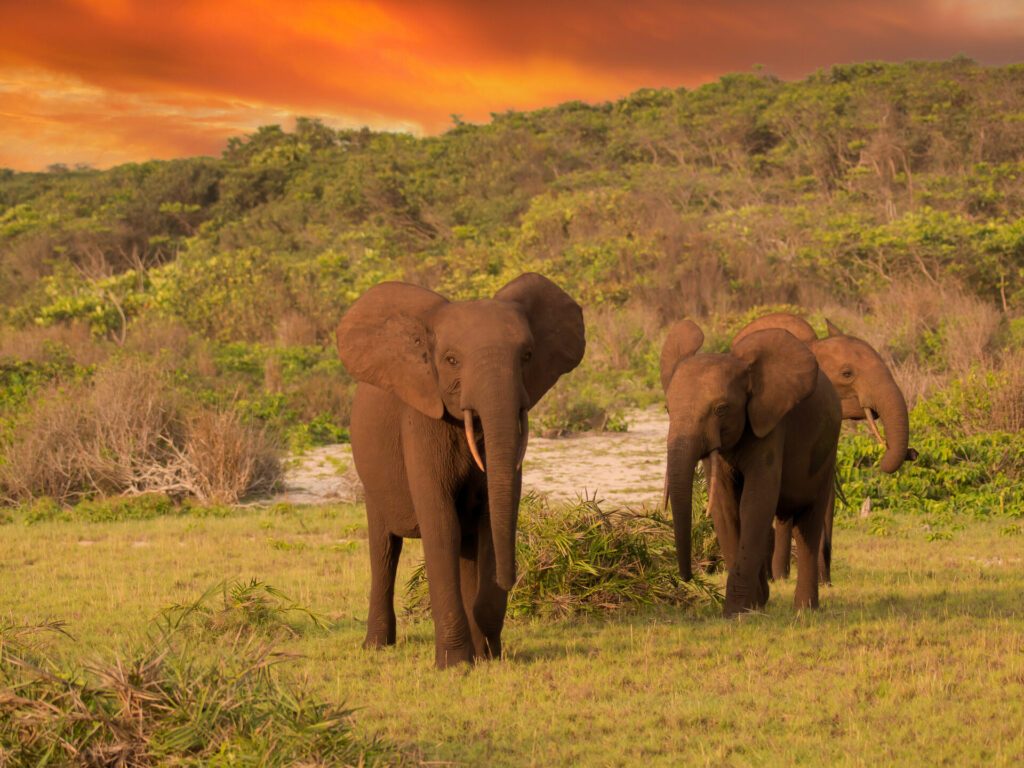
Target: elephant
{"type": "Point", "coordinates": [439, 432]}
{"type": "Point", "coordinates": [770, 413]}
{"type": "Point", "coordinates": [867, 390]}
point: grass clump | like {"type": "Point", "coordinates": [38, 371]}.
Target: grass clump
{"type": "Point", "coordinates": [580, 559]}
{"type": "Point", "coordinates": [174, 698]}
{"type": "Point", "coordinates": [252, 607]}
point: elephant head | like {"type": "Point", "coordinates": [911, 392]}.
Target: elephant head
{"type": "Point", "coordinates": [484, 362]}
{"type": "Point", "coordinates": [715, 401]}
{"type": "Point", "coordinates": [868, 390]}
{"type": "Point", "coordinates": [863, 381]}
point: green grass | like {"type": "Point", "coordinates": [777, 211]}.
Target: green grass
{"type": "Point", "coordinates": [916, 656]}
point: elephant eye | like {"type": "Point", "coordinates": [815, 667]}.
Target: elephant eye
{"type": "Point", "coordinates": [451, 360]}
{"type": "Point", "coordinates": [721, 409]}
{"type": "Point", "coordinates": [847, 373]}
{"type": "Point", "coordinates": [527, 356]}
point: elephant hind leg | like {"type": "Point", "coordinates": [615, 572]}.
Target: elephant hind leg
{"type": "Point", "coordinates": [385, 549]}
{"type": "Point", "coordinates": [807, 529]}
{"type": "Point", "coordinates": [782, 551]}
{"type": "Point", "coordinates": [825, 554]}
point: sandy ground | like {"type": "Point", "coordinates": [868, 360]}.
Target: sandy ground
{"type": "Point", "coordinates": [624, 468]}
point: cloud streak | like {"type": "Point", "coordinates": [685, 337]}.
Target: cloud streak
{"type": "Point", "coordinates": [105, 81]}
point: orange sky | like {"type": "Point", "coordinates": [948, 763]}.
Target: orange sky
{"type": "Point", "coordinates": [111, 81]}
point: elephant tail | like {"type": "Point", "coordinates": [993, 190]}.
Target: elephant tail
{"type": "Point", "coordinates": [840, 495]}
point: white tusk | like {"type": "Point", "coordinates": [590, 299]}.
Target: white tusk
{"type": "Point", "coordinates": [874, 428]}
{"type": "Point", "coordinates": [467, 418]}
{"type": "Point", "coordinates": [713, 480]}
{"type": "Point", "coordinates": [524, 430]}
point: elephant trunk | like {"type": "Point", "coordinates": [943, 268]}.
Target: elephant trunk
{"type": "Point", "coordinates": [888, 402]}
{"type": "Point", "coordinates": [504, 424]}
{"type": "Point", "coordinates": [683, 455]}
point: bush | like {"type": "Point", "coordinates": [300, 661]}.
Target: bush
{"type": "Point", "coordinates": [582, 559]}
{"type": "Point", "coordinates": [127, 433]}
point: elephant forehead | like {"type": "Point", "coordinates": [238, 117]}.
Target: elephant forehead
{"type": "Point", "coordinates": [848, 350]}
{"type": "Point", "coordinates": [483, 322]}
{"type": "Point", "coordinates": [707, 376]}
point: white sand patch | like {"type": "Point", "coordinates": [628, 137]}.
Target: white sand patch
{"type": "Point", "coordinates": [624, 468]}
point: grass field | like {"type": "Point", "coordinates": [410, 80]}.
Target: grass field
{"type": "Point", "coordinates": [915, 658]}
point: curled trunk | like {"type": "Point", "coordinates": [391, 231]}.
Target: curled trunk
{"type": "Point", "coordinates": [888, 402]}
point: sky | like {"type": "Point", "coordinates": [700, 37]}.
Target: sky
{"type": "Point", "coordinates": [104, 82]}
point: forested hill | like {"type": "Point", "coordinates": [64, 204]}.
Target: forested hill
{"type": "Point", "coordinates": [744, 192]}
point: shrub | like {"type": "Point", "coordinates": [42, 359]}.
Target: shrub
{"type": "Point", "coordinates": [225, 460]}
{"type": "Point", "coordinates": [126, 432]}
{"type": "Point", "coordinates": [582, 559]}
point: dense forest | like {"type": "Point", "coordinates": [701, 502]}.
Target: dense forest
{"type": "Point", "coordinates": [889, 197]}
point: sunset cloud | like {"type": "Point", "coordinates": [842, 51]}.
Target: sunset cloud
{"type": "Point", "coordinates": [107, 81]}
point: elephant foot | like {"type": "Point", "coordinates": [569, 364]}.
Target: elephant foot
{"type": "Point", "coordinates": [451, 657]}
{"type": "Point", "coordinates": [375, 640]}
{"type": "Point", "coordinates": [735, 610]}
{"type": "Point", "coordinates": [740, 597]}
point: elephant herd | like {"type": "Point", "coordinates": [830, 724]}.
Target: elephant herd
{"type": "Point", "coordinates": [440, 428]}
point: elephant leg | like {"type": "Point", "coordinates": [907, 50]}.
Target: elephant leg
{"type": "Point", "coordinates": [468, 584]}
{"type": "Point", "coordinates": [825, 554]}
{"type": "Point", "coordinates": [491, 601]}
{"type": "Point", "coordinates": [725, 510]}
{"type": "Point", "coordinates": [747, 584]}
{"type": "Point", "coordinates": [453, 641]}
{"type": "Point", "coordinates": [782, 552]}
{"type": "Point", "coordinates": [765, 575]}
{"type": "Point", "coordinates": [385, 550]}
{"type": "Point", "coordinates": [807, 530]}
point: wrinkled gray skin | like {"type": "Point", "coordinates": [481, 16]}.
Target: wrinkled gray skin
{"type": "Point", "coordinates": [435, 376]}
{"type": "Point", "coordinates": [773, 418]}
{"type": "Point", "coordinates": [864, 384]}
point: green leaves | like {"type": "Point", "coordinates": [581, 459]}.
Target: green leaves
{"type": "Point", "coordinates": [585, 558]}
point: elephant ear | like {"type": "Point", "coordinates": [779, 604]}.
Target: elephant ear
{"type": "Point", "coordinates": [786, 321]}
{"type": "Point", "coordinates": [832, 329]}
{"type": "Point", "coordinates": [683, 340]}
{"type": "Point", "coordinates": [384, 340]}
{"type": "Point", "coordinates": [783, 372]}
{"type": "Point", "coordinates": [556, 322]}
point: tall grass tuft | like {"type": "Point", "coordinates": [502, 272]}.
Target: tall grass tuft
{"type": "Point", "coordinates": [179, 697]}
{"type": "Point", "coordinates": [579, 558]}
{"type": "Point", "coordinates": [252, 607]}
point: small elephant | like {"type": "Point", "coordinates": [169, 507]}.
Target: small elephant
{"type": "Point", "coordinates": [867, 390]}
{"type": "Point", "coordinates": [770, 413]}
{"type": "Point", "coordinates": [439, 432]}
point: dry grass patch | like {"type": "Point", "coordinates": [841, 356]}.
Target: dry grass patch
{"type": "Point", "coordinates": [126, 432]}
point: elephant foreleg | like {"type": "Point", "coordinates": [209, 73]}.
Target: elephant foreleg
{"type": "Point", "coordinates": [746, 587]}
{"type": "Point", "coordinates": [385, 550]}
{"type": "Point", "coordinates": [484, 600]}
{"type": "Point", "coordinates": [724, 512]}
{"type": "Point", "coordinates": [453, 642]}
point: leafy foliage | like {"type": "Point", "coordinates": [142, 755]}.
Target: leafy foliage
{"type": "Point", "coordinates": [581, 559]}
